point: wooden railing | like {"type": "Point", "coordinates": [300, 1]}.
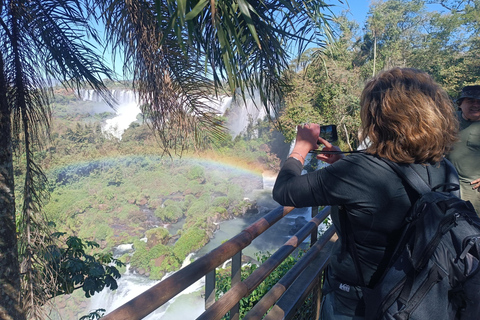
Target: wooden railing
{"type": "Point", "coordinates": [285, 296]}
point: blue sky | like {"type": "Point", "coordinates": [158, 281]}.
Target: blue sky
{"type": "Point", "coordinates": [357, 9]}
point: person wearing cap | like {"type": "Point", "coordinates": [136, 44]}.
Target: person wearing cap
{"type": "Point", "coordinates": [465, 154]}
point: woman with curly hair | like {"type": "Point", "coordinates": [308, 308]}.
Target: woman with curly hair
{"type": "Point", "coordinates": [408, 119]}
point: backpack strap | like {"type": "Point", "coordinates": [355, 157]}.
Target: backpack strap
{"type": "Point", "coordinates": [348, 245]}
{"type": "Point", "coordinates": [409, 175]}
{"type": "Point", "coordinates": [452, 178]}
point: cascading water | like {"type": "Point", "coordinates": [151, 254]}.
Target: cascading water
{"type": "Point", "coordinates": [239, 113]}
{"type": "Point", "coordinates": [127, 110]}
{"type": "Point", "coordinates": [187, 305]}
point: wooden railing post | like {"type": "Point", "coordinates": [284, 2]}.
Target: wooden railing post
{"type": "Point", "coordinates": [236, 278]}
{"type": "Point", "coordinates": [210, 288]}
{"type": "Point", "coordinates": [314, 236]}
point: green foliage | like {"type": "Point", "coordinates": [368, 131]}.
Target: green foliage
{"type": "Point", "coordinates": [170, 263]}
{"type": "Point", "coordinates": [223, 281]}
{"type": "Point", "coordinates": [94, 315]}
{"type": "Point", "coordinates": [87, 201]}
{"type": "Point", "coordinates": [198, 208]}
{"type": "Point", "coordinates": [327, 82]}
{"type": "Point", "coordinates": [193, 239]}
{"type": "Point", "coordinates": [74, 268]}
{"type": "Point", "coordinates": [170, 213]}
{"type": "Point", "coordinates": [196, 173]}
{"type": "Point", "coordinates": [157, 258]}
{"type": "Point", "coordinates": [102, 231]}
{"type": "Point", "coordinates": [221, 202]}
{"type": "Point", "coordinates": [157, 235]}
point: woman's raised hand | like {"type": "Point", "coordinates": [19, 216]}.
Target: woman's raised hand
{"type": "Point", "coordinates": [329, 158]}
{"type": "Point", "coordinates": [307, 136]}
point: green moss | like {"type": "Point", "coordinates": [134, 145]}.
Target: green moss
{"type": "Point", "coordinates": [191, 240]}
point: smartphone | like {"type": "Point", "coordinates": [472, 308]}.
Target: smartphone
{"type": "Point", "coordinates": [329, 133]}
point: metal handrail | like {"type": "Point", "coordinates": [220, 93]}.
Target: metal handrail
{"type": "Point", "coordinates": [245, 288]}
{"type": "Point", "coordinates": [272, 296]}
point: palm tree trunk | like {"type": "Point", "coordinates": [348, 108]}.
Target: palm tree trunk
{"type": "Point", "coordinates": [10, 306]}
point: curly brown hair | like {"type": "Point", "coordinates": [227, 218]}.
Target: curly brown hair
{"type": "Point", "coordinates": [407, 117]}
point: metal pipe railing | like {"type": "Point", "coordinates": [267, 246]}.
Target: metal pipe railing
{"type": "Point", "coordinates": [152, 299]}
{"type": "Point", "coordinates": [271, 297]}
{"type": "Point", "coordinates": [243, 289]}
{"type": "Point", "coordinates": [287, 306]}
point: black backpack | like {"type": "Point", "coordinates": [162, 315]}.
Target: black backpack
{"type": "Point", "coordinates": [434, 270]}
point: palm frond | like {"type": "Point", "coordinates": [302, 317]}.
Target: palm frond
{"type": "Point", "coordinates": [173, 88]}
{"type": "Point", "coordinates": [249, 43]}
{"type": "Point", "coordinates": [243, 47]}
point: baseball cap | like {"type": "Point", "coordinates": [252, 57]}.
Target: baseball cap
{"type": "Point", "coordinates": [469, 92]}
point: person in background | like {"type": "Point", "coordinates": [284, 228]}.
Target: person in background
{"type": "Point", "coordinates": [407, 118]}
{"type": "Point", "coordinates": [465, 154]}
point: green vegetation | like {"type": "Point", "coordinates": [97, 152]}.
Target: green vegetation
{"type": "Point", "coordinates": [118, 201]}
{"type": "Point", "coordinates": [223, 284]}
{"type": "Point", "coordinates": [77, 269]}
{"type": "Point", "coordinates": [326, 83]}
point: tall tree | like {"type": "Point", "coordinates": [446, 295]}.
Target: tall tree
{"type": "Point", "coordinates": [393, 27]}
{"type": "Point", "coordinates": [326, 89]}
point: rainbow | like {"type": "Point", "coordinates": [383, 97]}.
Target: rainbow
{"type": "Point", "coordinates": [232, 164]}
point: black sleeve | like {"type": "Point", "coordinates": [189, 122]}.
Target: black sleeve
{"type": "Point", "coordinates": [357, 182]}
{"type": "Point", "coordinates": [289, 179]}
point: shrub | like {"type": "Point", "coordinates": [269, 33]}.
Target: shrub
{"type": "Point", "coordinates": [157, 235]}
{"type": "Point", "coordinates": [221, 202]}
{"type": "Point", "coordinates": [190, 241]}
{"type": "Point", "coordinates": [196, 173]}
{"type": "Point", "coordinates": [223, 281]}
{"type": "Point", "coordinates": [169, 213]}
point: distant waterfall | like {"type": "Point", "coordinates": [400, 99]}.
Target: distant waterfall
{"type": "Point", "coordinates": [239, 114]}
{"type": "Point", "coordinates": [127, 110]}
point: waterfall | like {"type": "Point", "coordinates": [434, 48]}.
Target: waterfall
{"type": "Point", "coordinates": [127, 110]}
{"type": "Point", "coordinates": [189, 304]}
{"type": "Point", "coordinates": [239, 113]}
